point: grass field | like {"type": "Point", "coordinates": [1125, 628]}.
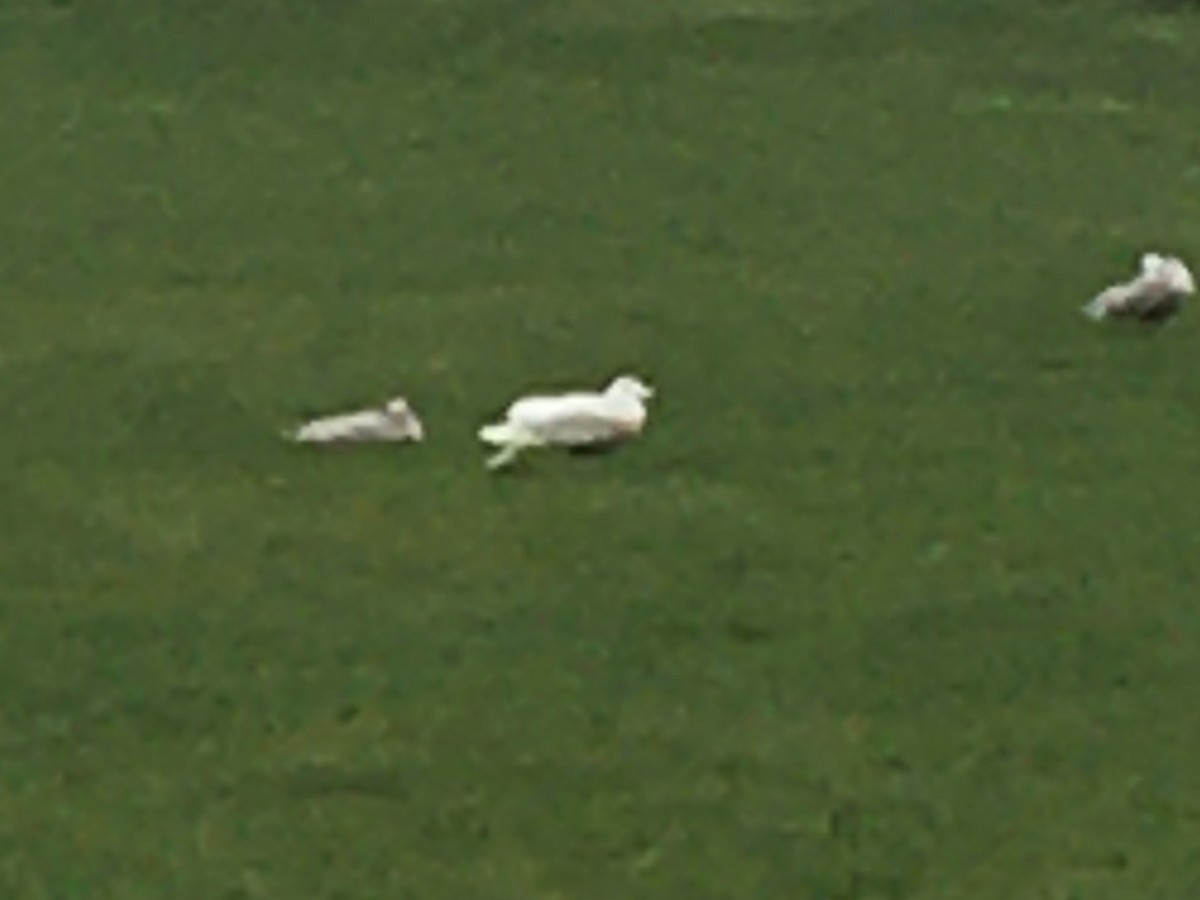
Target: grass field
{"type": "Point", "coordinates": [898, 597]}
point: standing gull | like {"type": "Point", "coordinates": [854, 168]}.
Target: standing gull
{"type": "Point", "coordinates": [575, 420]}
{"type": "Point", "coordinates": [393, 421]}
{"type": "Point", "coordinates": [1155, 295]}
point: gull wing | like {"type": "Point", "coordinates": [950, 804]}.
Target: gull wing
{"type": "Point", "coordinates": [1149, 297]}
{"type": "Point", "coordinates": [573, 419]}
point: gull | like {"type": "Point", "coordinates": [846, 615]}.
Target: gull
{"type": "Point", "coordinates": [392, 421]}
{"type": "Point", "coordinates": [1155, 295]}
{"type": "Point", "coordinates": [577, 420]}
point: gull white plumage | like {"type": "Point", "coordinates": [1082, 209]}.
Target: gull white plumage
{"type": "Point", "coordinates": [1155, 295]}
{"type": "Point", "coordinates": [574, 420]}
{"type": "Point", "coordinates": [394, 421]}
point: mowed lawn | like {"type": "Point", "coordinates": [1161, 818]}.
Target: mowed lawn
{"type": "Point", "coordinates": [899, 597]}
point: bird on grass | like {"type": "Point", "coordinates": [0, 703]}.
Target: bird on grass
{"type": "Point", "coordinates": [577, 421]}
{"type": "Point", "coordinates": [394, 421]}
{"type": "Point", "coordinates": [1155, 295]}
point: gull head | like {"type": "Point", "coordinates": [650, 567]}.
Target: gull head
{"type": "Point", "coordinates": [1170, 272]}
{"type": "Point", "coordinates": [1151, 262]}
{"type": "Point", "coordinates": [398, 410]}
{"type": "Point", "coordinates": [1178, 276]}
{"type": "Point", "coordinates": [630, 386]}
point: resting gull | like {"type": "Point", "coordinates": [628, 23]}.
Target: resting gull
{"type": "Point", "coordinates": [393, 421]}
{"type": "Point", "coordinates": [1155, 295]}
{"type": "Point", "coordinates": [575, 420]}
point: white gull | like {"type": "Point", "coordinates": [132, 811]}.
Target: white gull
{"type": "Point", "coordinates": [573, 420]}
{"type": "Point", "coordinates": [393, 421]}
{"type": "Point", "coordinates": [1155, 295]}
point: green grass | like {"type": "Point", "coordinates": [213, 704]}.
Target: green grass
{"type": "Point", "coordinates": [896, 599]}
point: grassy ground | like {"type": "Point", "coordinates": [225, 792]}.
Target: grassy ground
{"type": "Point", "coordinates": [897, 598]}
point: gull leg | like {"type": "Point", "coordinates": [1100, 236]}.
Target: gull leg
{"type": "Point", "coordinates": [506, 455]}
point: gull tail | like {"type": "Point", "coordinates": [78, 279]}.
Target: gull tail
{"type": "Point", "coordinates": [510, 438]}
{"type": "Point", "coordinates": [1097, 309]}
{"type": "Point", "coordinates": [1108, 301]}
{"type": "Point", "coordinates": [501, 434]}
